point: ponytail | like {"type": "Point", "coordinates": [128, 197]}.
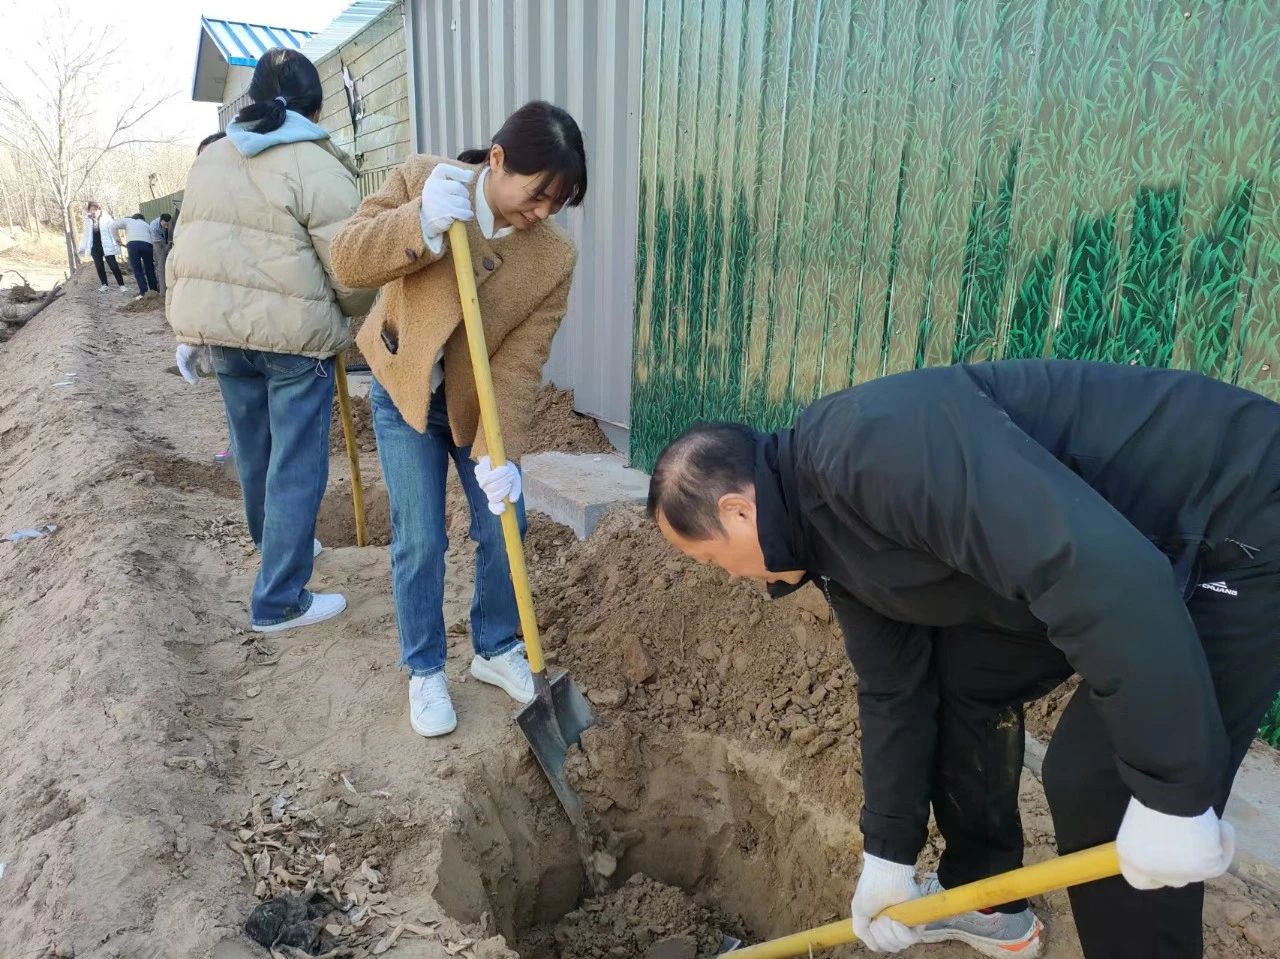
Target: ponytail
{"type": "Point", "coordinates": [268, 116]}
{"type": "Point", "coordinates": [474, 157]}
{"type": "Point", "coordinates": [283, 80]}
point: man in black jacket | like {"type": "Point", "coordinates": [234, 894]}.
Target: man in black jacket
{"type": "Point", "coordinates": [984, 532]}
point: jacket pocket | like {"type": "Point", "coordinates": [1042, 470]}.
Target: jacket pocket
{"type": "Point", "coordinates": [288, 365]}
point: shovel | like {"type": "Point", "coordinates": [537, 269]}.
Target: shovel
{"type": "Point", "coordinates": [559, 713]}
{"type": "Point", "coordinates": [353, 454]}
{"type": "Point", "coordinates": [1088, 865]}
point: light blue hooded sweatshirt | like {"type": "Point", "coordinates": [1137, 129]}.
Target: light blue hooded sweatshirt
{"type": "Point", "coordinates": [295, 129]}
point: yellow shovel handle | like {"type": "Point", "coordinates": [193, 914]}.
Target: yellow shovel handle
{"type": "Point", "coordinates": [493, 437]}
{"type": "Point", "coordinates": [353, 454]}
{"type": "Point", "coordinates": [1089, 865]}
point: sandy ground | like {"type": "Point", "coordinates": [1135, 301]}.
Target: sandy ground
{"type": "Point", "coordinates": [41, 274]}
{"type": "Point", "coordinates": [165, 770]}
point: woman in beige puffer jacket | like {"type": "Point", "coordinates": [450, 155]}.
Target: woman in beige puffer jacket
{"type": "Point", "coordinates": [249, 277]}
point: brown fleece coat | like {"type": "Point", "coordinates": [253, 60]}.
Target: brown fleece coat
{"type": "Point", "coordinates": [523, 285]}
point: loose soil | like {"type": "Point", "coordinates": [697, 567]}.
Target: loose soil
{"type": "Point", "coordinates": [167, 771]}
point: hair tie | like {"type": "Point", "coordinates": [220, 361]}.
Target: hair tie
{"type": "Point", "coordinates": [283, 102]}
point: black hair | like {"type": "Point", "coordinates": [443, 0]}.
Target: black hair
{"type": "Point", "coordinates": [542, 138]}
{"type": "Point", "coordinates": [137, 216]}
{"type": "Point", "coordinates": [211, 138]}
{"type": "Point", "coordinates": [706, 462]}
{"type": "Point", "coordinates": [165, 217]}
{"type": "Point", "coordinates": [283, 79]}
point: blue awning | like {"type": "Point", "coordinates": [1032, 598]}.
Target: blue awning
{"type": "Point", "coordinates": [231, 43]}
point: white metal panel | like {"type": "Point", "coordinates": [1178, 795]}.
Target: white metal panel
{"type": "Point", "coordinates": [478, 60]}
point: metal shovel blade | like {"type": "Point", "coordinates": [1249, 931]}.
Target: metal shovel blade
{"type": "Point", "coordinates": [551, 728]}
{"type": "Point", "coordinates": [728, 944]}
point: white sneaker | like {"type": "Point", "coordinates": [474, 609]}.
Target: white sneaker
{"type": "Point", "coordinates": [323, 606]}
{"type": "Point", "coordinates": [125, 289]}
{"type": "Point", "coordinates": [317, 548]}
{"type": "Point", "coordinates": [509, 672]}
{"type": "Point", "coordinates": [430, 708]}
{"type": "Point", "coordinates": [103, 288]}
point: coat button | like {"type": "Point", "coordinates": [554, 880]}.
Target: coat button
{"type": "Point", "coordinates": [489, 264]}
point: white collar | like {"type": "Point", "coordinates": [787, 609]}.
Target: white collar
{"type": "Point", "coordinates": [484, 215]}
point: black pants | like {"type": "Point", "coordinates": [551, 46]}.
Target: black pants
{"type": "Point", "coordinates": [985, 678]}
{"type": "Point", "coordinates": [142, 262]}
{"type": "Point", "coordinates": [98, 257]}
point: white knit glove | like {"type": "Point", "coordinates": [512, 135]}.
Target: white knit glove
{"type": "Point", "coordinates": [881, 885]}
{"type": "Point", "coordinates": [445, 199]}
{"type": "Point", "coordinates": [193, 362]}
{"type": "Point", "coordinates": [499, 484]}
{"type": "Point", "coordinates": [1158, 850]}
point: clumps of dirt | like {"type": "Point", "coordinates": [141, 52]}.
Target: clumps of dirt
{"type": "Point", "coordinates": [228, 532]}
{"type": "Point", "coordinates": [643, 919]}
{"type": "Point", "coordinates": [556, 425]}
{"type": "Point", "coordinates": [662, 643]}
{"type": "Point", "coordinates": [150, 303]}
{"type": "Point", "coordinates": [361, 419]}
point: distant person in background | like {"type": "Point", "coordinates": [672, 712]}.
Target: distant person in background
{"type": "Point", "coordinates": [249, 276]}
{"type": "Point", "coordinates": [100, 243]}
{"type": "Point", "coordinates": [160, 246]}
{"type": "Point", "coordinates": [141, 254]}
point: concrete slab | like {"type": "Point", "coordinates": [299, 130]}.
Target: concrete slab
{"type": "Point", "coordinates": [1253, 809]}
{"type": "Point", "coordinates": [359, 384]}
{"type": "Point", "coordinates": [577, 488]}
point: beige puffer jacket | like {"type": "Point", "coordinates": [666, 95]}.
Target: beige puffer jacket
{"type": "Point", "coordinates": [249, 266]}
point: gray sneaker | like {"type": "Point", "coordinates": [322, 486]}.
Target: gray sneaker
{"type": "Point", "coordinates": [996, 934]}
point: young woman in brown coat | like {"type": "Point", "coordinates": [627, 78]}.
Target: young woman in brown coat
{"type": "Point", "coordinates": [425, 409]}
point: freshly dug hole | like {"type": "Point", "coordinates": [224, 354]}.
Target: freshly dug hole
{"type": "Point", "coordinates": [693, 811]}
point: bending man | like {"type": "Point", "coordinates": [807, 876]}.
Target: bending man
{"type": "Point", "coordinates": [984, 532]}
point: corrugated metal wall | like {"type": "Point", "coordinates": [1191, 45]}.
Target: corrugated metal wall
{"type": "Point", "coordinates": [832, 190]}
{"type": "Point", "coordinates": [476, 62]}
{"type": "Point", "coordinates": [161, 204]}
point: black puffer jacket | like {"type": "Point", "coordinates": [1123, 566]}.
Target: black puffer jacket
{"type": "Point", "coordinates": [1071, 501]}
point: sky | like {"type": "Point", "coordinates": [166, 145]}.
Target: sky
{"type": "Point", "coordinates": [159, 45]}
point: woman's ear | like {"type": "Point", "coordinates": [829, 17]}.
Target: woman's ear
{"type": "Point", "coordinates": [497, 157]}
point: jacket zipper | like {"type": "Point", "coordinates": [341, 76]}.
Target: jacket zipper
{"type": "Point", "coordinates": [1250, 551]}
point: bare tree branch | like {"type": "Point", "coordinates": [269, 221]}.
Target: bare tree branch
{"type": "Point", "coordinates": [58, 128]}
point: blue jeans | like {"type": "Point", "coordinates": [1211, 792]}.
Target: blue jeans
{"type": "Point", "coordinates": [278, 409]}
{"type": "Point", "coordinates": [143, 263]}
{"type": "Point", "coordinates": [414, 467]}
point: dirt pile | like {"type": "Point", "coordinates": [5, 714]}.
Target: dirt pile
{"type": "Point", "coordinates": [556, 425]}
{"type": "Point", "coordinates": [361, 419]}
{"type": "Point", "coordinates": [152, 302]}
{"type": "Point", "coordinates": [670, 644]}
{"type": "Point", "coordinates": [643, 919]}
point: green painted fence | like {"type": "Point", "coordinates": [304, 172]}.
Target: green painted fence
{"type": "Point", "coordinates": [831, 190]}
